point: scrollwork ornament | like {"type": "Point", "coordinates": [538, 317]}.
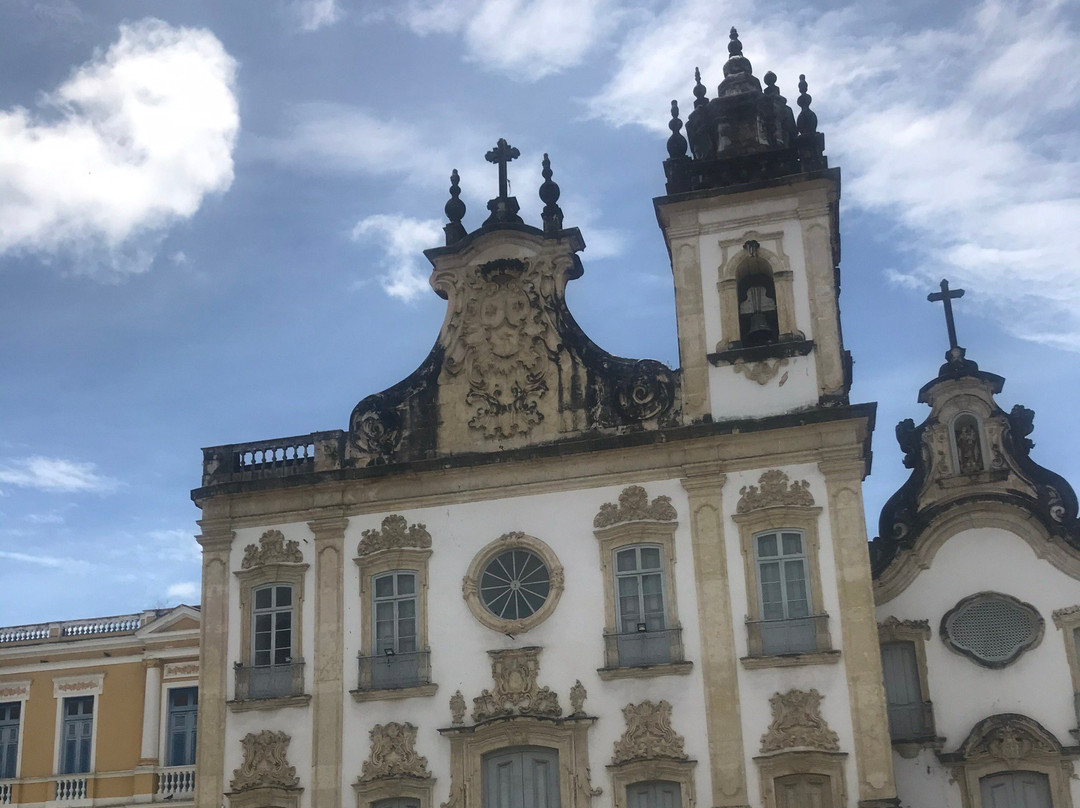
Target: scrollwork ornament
{"type": "Point", "coordinates": [774, 489]}
{"type": "Point", "coordinates": [516, 691]}
{"type": "Point", "coordinates": [649, 734]}
{"type": "Point", "coordinates": [797, 723]}
{"type": "Point", "coordinates": [265, 763]}
{"type": "Point", "coordinates": [634, 506]}
{"type": "Point", "coordinates": [761, 372]}
{"type": "Point", "coordinates": [648, 391]}
{"type": "Point", "coordinates": [394, 534]}
{"type": "Point", "coordinates": [393, 754]}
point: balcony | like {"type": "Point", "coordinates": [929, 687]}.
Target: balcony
{"type": "Point", "coordinates": [5, 793]}
{"type": "Point", "coordinates": [261, 682]}
{"type": "Point", "coordinates": [265, 459]}
{"type": "Point", "coordinates": [394, 675]}
{"type": "Point", "coordinates": [643, 653]}
{"type": "Point", "coordinates": [794, 641]}
{"type": "Point", "coordinates": [911, 722]}
{"type": "Point", "coordinates": [71, 787]}
{"type": "Point", "coordinates": [176, 783]}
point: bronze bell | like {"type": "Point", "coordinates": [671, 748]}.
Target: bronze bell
{"type": "Point", "coordinates": [760, 330]}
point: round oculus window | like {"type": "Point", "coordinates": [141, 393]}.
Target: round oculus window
{"type": "Point", "coordinates": [515, 584]}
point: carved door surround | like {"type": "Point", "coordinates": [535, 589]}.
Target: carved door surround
{"type": "Point", "coordinates": [1010, 742]}
{"type": "Point", "coordinates": [517, 712]}
{"type": "Point", "coordinates": [649, 750]}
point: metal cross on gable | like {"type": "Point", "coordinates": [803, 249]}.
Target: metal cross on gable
{"type": "Point", "coordinates": [946, 296]}
{"type": "Point", "coordinates": [502, 154]}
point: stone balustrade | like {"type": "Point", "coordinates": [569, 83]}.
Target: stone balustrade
{"type": "Point", "coordinates": [70, 788]}
{"type": "Point", "coordinates": [176, 783]}
{"type": "Point", "coordinates": [283, 457]}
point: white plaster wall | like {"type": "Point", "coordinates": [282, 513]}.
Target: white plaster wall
{"type": "Point", "coordinates": [756, 687]}
{"type": "Point", "coordinates": [732, 394]}
{"type": "Point", "coordinates": [571, 638]}
{"type": "Point", "coordinates": [1037, 685]}
{"type": "Point", "coordinates": [295, 721]}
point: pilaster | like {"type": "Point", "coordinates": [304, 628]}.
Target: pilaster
{"type": "Point", "coordinates": [216, 540]}
{"type": "Point", "coordinates": [704, 483]}
{"type": "Point", "coordinates": [689, 308]}
{"type": "Point", "coordinates": [862, 655]}
{"type": "Point", "coordinates": [328, 686]}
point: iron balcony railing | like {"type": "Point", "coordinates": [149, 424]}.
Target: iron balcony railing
{"type": "Point", "coordinates": [798, 635]}
{"type": "Point", "coordinates": [911, 722]}
{"type": "Point", "coordinates": [636, 649]}
{"type": "Point", "coordinates": [392, 671]}
{"type": "Point", "coordinates": [269, 681]}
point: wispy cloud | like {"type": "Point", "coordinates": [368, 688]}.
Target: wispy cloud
{"type": "Point", "coordinates": [132, 141]}
{"type": "Point", "coordinates": [185, 592]}
{"type": "Point", "coordinates": [526, 39]}
{"type": "Point", "coordinates": [315, 14]}
{"type": "Point", "coordinates": [945, 131]}
{"type": "Point", "coordinates": [55, 474]}
{"type": "Point", "coordinates": [44, 518]}
{"type": "Point", "coordinates": [402, 241]}
{"type": "Point", "coordinates": [54, 562]}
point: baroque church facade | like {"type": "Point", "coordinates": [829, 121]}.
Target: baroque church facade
{"type": "Point", "coordinates": [534, 574]}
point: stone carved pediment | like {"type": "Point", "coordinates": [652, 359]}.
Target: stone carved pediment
{"type": "Point", "coordinates": [393, 754]}
{"type": "Point", "coordinates": [634, 506]}
{"type": "Point", "coordinates": [516, 691]}
{"type": "Point", "coordinates": [774, 489]}
{"type": "Point", "coordinates": [394, 534]}
{"type": "Point", "coordinates": [797, 723]}
{"type": "Point", "coordinates": [649, 734]}
{"type": "Point", "coordinates": [265, 763]}
{"type": "Point", "coordinates": [272, 549]}
{"type": "Point", "coordinates": [1009, 738]}
{"type": "Point", "coordinates": [893, 623]}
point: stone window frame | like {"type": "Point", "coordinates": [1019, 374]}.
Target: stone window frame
{"type": "Point", "coordinates": [17, 691]}
{"type": "Point", "coordinates": [759, 260]}
{"type": "Point", "coordinates": [771, 519]}
{"type": "Point", "coordinates": [1068, 620]}
{"type": "Point", "coordinates": [917, 632]}
{"type": "Point", "coordinates": [470, 585]}
{"type": "Point", "coordinates": [795, 762]}
{"type": "Point", "coordinates": [567, 736]}
{"type": "Point", "coordinates": [76, 686]}
{"type": "Point", "coordinates": [251, 579]}
{"type": "Point", "coordinates": [973, 760]}
{"type": "Point", "coordinates": [617, 537]}
{"type": "Point", "coordinates": [624, 775]}
{"type": "Point", "coordinates": [1033, 642]}
{"type": "Point", "coordinates": [954, 450]}
{"type": "Point", "coordinates": [370, 566]}
{"type": "Point", "coordinates": [421, 789]}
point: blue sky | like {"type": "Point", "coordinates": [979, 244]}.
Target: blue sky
{"type": "Point", "coordinates": [211, 218]}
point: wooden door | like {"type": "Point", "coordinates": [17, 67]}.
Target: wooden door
{"type": "Point", "coordinates": [1016, 790]}
{"type": "Point", "coordinates": [521, 778]}
{"type": "Point", "coordinates": [655, 794]}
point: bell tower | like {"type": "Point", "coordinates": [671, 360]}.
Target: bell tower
{"type": "Point", "coordinates": [751, 224]}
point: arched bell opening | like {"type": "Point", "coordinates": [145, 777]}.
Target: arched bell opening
{"type": "Point", "coordinates": [759, 322]}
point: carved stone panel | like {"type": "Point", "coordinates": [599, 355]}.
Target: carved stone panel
{"type": "Point", "coordinates": [272, 549]}
{"type": "Point", "coordinates": [634, 506]}
{"type": "Point", "coordinates": [394, 534]}
{"type": "Point", "coordinates": [797, 723]}
{"type": "Point", "coordinates": [516, 691]}
{"type": "Point", "coordinates": [393, 753]}
{"type": "Point", "coordinates": [265, 763]}
{"type": "Point", "coordinates": [649, 734]}
{"type": "Point", "coordinates": [774, 489]}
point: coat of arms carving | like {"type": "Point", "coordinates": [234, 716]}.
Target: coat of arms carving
{"type": "Point", "coordinates": [649, 734]}
{"type": "Point", "coordinates": [797, 723]}
{"type": "Point", "coordinates": [515, 690]}
{"type": "Point", "coordinates": [265, 763]}
{"type": "Point", "coordinates": [393, 753]}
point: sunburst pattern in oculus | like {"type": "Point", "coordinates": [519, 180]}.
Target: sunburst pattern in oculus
{"type": "Point", "coordinates": [515, 584]}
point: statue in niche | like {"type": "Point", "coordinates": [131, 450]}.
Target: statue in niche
{"type": "Point", "coordinates": [968, 449]}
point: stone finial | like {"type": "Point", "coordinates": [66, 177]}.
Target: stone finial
{"type": "Point", "coordinates": [649, 734]}
{"type": "Point", "coordinates": [549, 195]}
{"type": "Point", "coordinates": [393, 754]}
{"type": "Point", "coordinates": [676, 144]}
{"type": "Point", "coordinates": [797, 722]}
{"type": "Point", "coordinates": [699, 90]}
{"type": "Point", "coordinates": [807, 120]}
{"type": "Point", "coordinates": [265, 763]}
{"type": "Point", "coordinates": [577, 698]}
{"type": "Point", "coordinates": [272, 549]}
{"type": "Point", "coordinates": [457, 709]}
{"type": "Point", "coordinates": [455, 212]}
{"type": "Point", "coordinates": [770, 84]}
{"type": "Point", "coordinates": [736, 63]}
{"type": "Point", "coordinates": [634, 506]}
{"type": "Point", "coordinates": [504, 208]}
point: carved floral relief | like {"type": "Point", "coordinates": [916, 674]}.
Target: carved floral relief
{"type": "Point", "coordinates": [797, 723]}
{"type": "Point", "coordinates": [774, 489]}
{"type": "Point", "coordinates": [272, 549]}
{"type": "Point", "coordinates": [516, 691]}
{"type": "Point", "coordinates": [393, 753]}
{"type": "Point", "coordinates": [649, 734]}
{"type": "Point", "coordinates": [634, 506]}
{"type": "Point", "coordinates": [265, 763]}
{"type": "Point", "coordinates": [394, 534]}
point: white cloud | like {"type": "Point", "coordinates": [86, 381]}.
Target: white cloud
{"type": "Point", "coordinates": [527, 39]}
{"type": "Point", "coordinates": [186, 592]}
{"type": "Point", "coordinates": [55, 474]}
{"type": "Point", "coordinates": [402, 240]}
{"type": "Point", "coordinates": [316, 14]}
{"type": "Point", "coordinates": [945, 131]}
{"type": "Point", "coordinates": [44, 518]}
{"type": "Point", "coordinates": [133, 140]}
{"type": "Point", "coordinates": [53, 562]}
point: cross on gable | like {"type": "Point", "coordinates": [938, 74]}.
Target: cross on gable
{"type": "Point", "coordinates": [502, 154]}
{"type": "Point", "coordinates": [946, 296]}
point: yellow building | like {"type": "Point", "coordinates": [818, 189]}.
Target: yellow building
{"type": "Point", "coordinates": [100, 711]}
